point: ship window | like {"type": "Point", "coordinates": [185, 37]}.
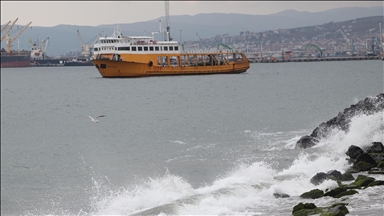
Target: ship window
{"type": "Point", "coordinates": [171, 48]}
{"type": "Point", "coordinates": [145, 48]}
{"type": "Point", "coordinates": [156, 48]}
{"type": "Point", "coordinates": [176, 48]}
{"type": "Point", "coordinates": [165, 48]}
{"type": "Point", "coordinates": [151, 48]}
{"type": "Point", "coordinates": [124, 48]}
{"type": "Point", "coordinates": [140, 48]}
{"type": "Point", "coordinates": [133, 48]}
{"type": "Point", "coordinates": [96, 49]}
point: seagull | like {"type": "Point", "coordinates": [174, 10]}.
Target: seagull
{"type": "Point", "coordinates": [96, 119]}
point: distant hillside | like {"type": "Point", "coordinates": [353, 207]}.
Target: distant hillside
{"type": "Point", "coordinates": [64, 38]}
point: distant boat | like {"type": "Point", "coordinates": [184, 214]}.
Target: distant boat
{"type": "Point", "coordinates": [78, 62]}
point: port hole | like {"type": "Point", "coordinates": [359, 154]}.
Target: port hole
{"type": "Point", "coordinates": [103, 66]}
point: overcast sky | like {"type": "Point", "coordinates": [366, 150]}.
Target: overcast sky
{"type": "Point", "coordinates": [93, 13]}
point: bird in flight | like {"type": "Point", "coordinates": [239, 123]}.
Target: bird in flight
{"type": "Point", "coordinates": [96, 119]}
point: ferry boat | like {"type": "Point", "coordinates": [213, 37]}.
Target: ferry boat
{"type": "Point", "coordinates": [137, 56]}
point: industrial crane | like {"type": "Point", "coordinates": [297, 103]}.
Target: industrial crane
{"type": "Point", "coordinates": [81, 43]}
{"type": "Point", "coordinates": [9, 40]}
{"type": "Point", "coordinates": [6, 33]}
{"type": "Point", "coordinates": [90, 47]}
{"type": "Point", "coordinates": [86, 49]}
{"type": "Point", "coordinates": [44, 44]}
{"type": "Point", "coordinates": [201, 41]}
{"type": "Point", "coordinates": [5, 26]}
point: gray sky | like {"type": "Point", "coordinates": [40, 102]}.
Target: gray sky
{"type": "Point", "coordinates": [93, 13]}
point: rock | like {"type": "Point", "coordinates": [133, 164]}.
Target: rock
{"type": "Point", "coordinates": [367, 159]}
{"type": "Point", "coordinates": [313, 194]}
{"type": "Point", "coordinates": [354, 151]}
{"type": "Point", "coordinates": [368, 106]}
{"type": "Point", "coordinates": [380, 164]}
{"type": "Point", "coordinates": [335, 175]}
{"type": "Point", "coordinates": [319, 178]}
{"type": "Point", "coordinates": [336, 210]}
{"type": "Point", "coordinates": [346, 193]}
{"type": "Point", "coordinates": [377, 147]}
{"type": "Point", "coordinates": [362, 166]}
{"type": "Point", "coordinates": [280, 195]}
{"type": "Point", "coordinates": [305, 142]}
{"type": "Point", "coordinates": [376, 183]}
{"type": "Point", "coordinates": [377, 156]}
{"type": "Point", "coordinates": [333, 193]}
{"type": "Point", "coordinates": [376, 172]}
{"type": "Point", "coordinates": [305, 209]}
{"type": "Point", "coordinates": [363, 180]}
{"type": "Point", "coordinates": [347, 177]}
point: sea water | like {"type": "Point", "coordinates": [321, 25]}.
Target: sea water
{"type": "Point", "coordinates": [180, 145]}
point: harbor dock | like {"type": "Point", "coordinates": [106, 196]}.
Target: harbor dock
{"type": "Point", "coordinates": [349, 58]}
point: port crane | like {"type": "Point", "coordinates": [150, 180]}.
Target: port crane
{"type": "Point", "coordinates": [81, 43]}
{"type": "Point", "coordinates": [201, 41]}
{"type": "Point", "coordinates": [5, 26]}
{"type": "Point", "coordinates": [90, 47]}
{"type": "Point", "coordinates": [86, 48]}
{"type": "Point", "coordinates": [350, 42]}
{"type": "Point", "coordinates": [6, 33]}
{"type": "Point", "coordinates": [316, 47]}
{"type": "Point", "coordinates": [10, 40]}
{"type": "Point", "coordinates": [44, 44]}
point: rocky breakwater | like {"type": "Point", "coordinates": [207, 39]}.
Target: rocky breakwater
{"type": "Point", "coordinates": [370, 159]}
{"type": "Point", "coordinates": [368, 106]}
{"type": "Point", "coordinates": [364, 163]}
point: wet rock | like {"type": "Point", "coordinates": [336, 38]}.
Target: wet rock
{"type": "Point", "coordinates": [280, 195]}
{"type": "Point", "coordinates": [377, 156]}
{"type": "Point", "coordinates": [333, 193]}
{"type": "Point", "coordinates": [380, 164]}
{"type": "Point", "coordinates": [362, 166]}
{"type": "Point", "coordinates": [347, 177]}
{"type": "Point", "coordinates": [306, 142]}
{"type": "Point", "coordinates": [305, 209]}
{"type": "Point", "coordinates": [376, 183]}
{"type": "Point", "coordinates": [319, 178]}
{"type": "Point", "coordinates": [313, 194]}
{"type": "Point", "coordinates": [363, 180]}
{"type": "Point", "coordinates": [368, 106]}
{"type": "Point", "coordinates": [335, 175]}
{"type": "Point", "coordinates": [336, 210]}
{"type": "Point", "coordinates": [377, 147]}
{"type": "Point", "coordinates": [346, 193]}
{"type": "Point", "coordinates": [367, 159]}
{"type": "Point", "coordinates": [354, 151]}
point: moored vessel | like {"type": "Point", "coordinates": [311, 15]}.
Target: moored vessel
{"type": "Point", "coordinates": [136, 56]}
{"type": "Point", "coordinates": [78, 62]}
{"type": "Point", "coordinates": [15, 59]}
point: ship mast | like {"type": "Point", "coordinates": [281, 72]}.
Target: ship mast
{"type": "Point", "coordinates": [168, 33]}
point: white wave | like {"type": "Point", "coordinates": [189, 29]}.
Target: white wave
{"type": "Point", "coordinates": [249, 188]}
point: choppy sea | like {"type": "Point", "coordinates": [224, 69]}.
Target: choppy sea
{"type": "Point", "coordinates": [180, 145]}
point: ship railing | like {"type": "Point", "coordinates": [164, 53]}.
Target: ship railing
{"type": "Point", "coordinates": [207, 51]}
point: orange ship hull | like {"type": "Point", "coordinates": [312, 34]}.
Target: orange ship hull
{"type": "Point", "coordinates": [109, 68]}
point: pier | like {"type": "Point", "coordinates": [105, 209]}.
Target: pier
{"type": "Point", "coordinates": [350, 58]}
